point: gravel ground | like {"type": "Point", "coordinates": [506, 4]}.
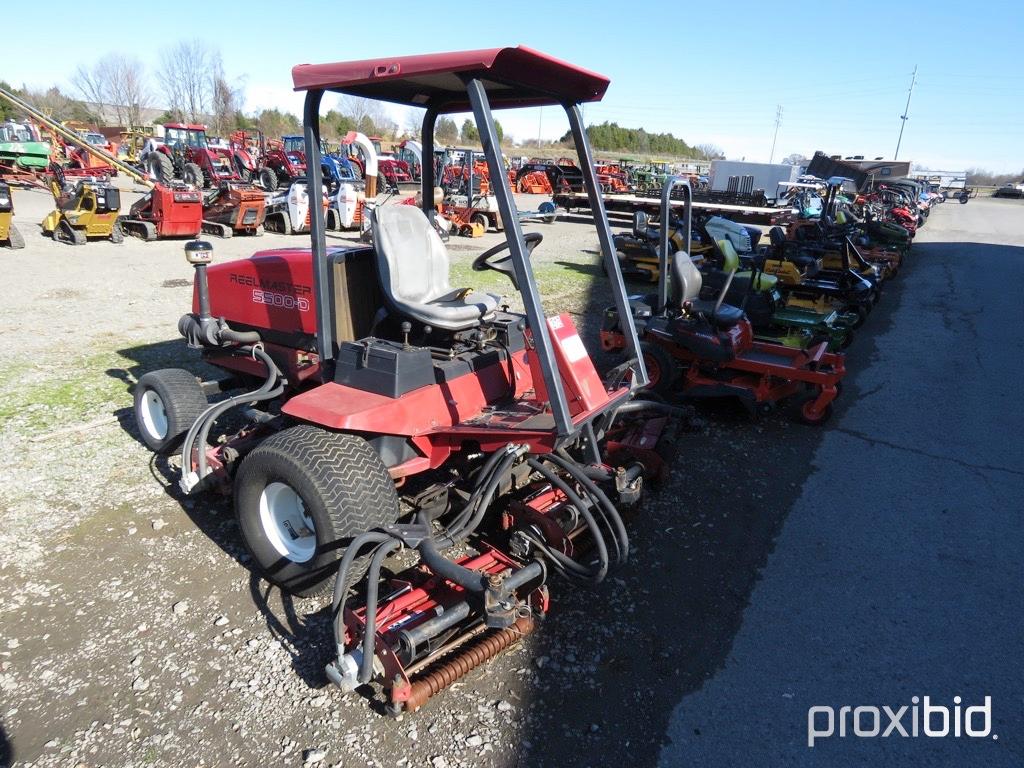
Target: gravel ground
{"type": "Point", "coordinates": [132, 631]}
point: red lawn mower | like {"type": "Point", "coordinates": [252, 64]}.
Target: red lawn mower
{"type": "Point", "coordinates": [706, 348]}
{"type": "Point", "coordinates": [387, 411]}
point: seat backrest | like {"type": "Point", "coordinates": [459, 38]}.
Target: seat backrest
{"type": "Point", "coordinates": [412, 260]}
{"type": "Point", "coordinates": [686, 279]}
{"type": "Point", "coordinates": [730, 259]}
{"type": "Point", "coordinates": [777, 236]}
{"type": "Point", "coordinates": [640, 223]}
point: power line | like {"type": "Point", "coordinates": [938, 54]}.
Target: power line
{"type": "Point", "coordinates": [778, 122]}
{"type": "Point", "coordinates": [906, 113]}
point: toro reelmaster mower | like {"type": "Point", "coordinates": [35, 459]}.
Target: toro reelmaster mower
{"type": "Point", "coordinates": [712, 342]}
{"type": "Point", "coordinates": [393, 412]}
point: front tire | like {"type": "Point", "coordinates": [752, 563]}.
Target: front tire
{"type": "Point", "coordinates": [167, 404]}
{"type": "Point", "coordinates": [301, 496]}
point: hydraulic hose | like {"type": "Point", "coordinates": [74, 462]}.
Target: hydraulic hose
{"type": "Point", "coordinates": [338, 599]}
{"type": "Point", "coordinates": [370, 623]}
{"type": "Point", "coordinates": [468, 579]}
{"type": "Point", "coordinates": [574, 499]}
{"type": "Point", "coordinates": [636, 406]}
{"type": "Point", "coordinates": [483, 479]}
{"type": "Point", "coordinates": [240, 337]}
{"type": "Point", "coordinates": [487, 495]}
{"type": "Point", "coordinates": [609, 512]}
{"type": "Point", "coordinates": [200, 429]}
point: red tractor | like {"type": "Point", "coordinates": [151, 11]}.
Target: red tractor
{"type": "Point", "coordinates": [386, 411]}
{"type": "Point", "coordinates": [186, 154]}
{"type": "Point", "coordinates": [271, 162]}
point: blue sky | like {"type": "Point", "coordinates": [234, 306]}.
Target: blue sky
{"type": "Point", "coordinates": [707, 72]}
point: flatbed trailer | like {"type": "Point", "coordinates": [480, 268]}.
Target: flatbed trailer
{"type": "Point", "coordinates": [629, 203]}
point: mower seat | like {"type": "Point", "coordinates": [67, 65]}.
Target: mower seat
{"type": "Point", "coordinates": [686, 285]}
{"type": "Point", "coordinates": [803, 261]}
{"type": "Point", "coordinates": [414, 266]}
{"type": "Point", "coordinates": [642, 228]}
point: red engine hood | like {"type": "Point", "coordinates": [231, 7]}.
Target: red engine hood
{"type": "Point", "coordinates": [272, 289]}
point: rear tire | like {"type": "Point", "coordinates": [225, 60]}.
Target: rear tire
{"type": "Point", "coordinates": [160, 166]}
{"type": "Point", "coordinates": [268, 179]}
{"type": "Point", "coordinates": [193, 175]}
{"type": "Point", "coordinates": [301, 496]}
{"type": "Point", "coordinates": [167, 404]}
{"type": "Point", "coordinates": [661, 368]}
{"type": "Point", "coordinates": [117, 234]}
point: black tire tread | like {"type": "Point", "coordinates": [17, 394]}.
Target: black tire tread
{"type": "Point", "coordinates": [183, 398]}
{"type": "Point", "coordinates": [348, 475]}
{"type": "Point", "coordinates": [160, 165]}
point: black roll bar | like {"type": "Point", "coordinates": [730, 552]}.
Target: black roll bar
{"type": "Point", "coordinates": [317, 229]}
{"type": "Point", "coordinates": [666, 212]}
{"type": "Point", "coordinates": [514, 234]}
{"type": "Point", "coordinates": [520, 258]}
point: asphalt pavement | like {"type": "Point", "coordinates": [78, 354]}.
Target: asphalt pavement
{"type": "Point", "coordinates": [897, 571]}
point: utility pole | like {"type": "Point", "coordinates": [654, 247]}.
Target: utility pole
{"type": "Point", "coordinates": [778, 122]}
{"type": "Point", "coordinates": [906, 113]}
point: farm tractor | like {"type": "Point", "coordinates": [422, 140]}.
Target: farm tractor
{"type": "Point", "coordinates": [411, 153]}
{"type": "Point", "coordinates": [271, 162]}
{"type": "Point", "coordinates": [386, 413]}
{"type": "Point", "coordinates": [186, 154]}
{"type": "Point", "coordinates": [9, 234]}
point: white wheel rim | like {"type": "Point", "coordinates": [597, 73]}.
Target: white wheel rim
{"type": "Point", "coordinates": [285, 523]}
{"type": "Point", "coordinates": [154, 415]}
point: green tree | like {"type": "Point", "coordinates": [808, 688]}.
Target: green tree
{"type": "Point", "coordinates": [611, 136]}
{"type": "Point", "coordinates": [500, 131]}
{"type": "Point", "coordinates": [470, 135]}
{"type": "Point", "coordinates": [446, 131]}
{"type": "Point", "coordinates": [274, 123]}
{"type": "Point", "coordinates": [7, 111]}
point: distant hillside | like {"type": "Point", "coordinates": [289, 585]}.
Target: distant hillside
{"type": "Point", "coordinates": [613, 137]}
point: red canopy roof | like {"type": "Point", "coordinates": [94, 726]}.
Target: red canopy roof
{"type": "Point", "coordinates": [513, 77]}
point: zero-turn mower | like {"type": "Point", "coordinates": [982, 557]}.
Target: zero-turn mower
{"type": "Point", "coordinates": [711, 343]}
{"type": "Point", "coordinates": [388, 411]}
{"type": "Point", "coordinates": [751, 290]}
{"type": "Point", "coordinates": [804, 282]}
{"type": "Point", "coordinates": [758, 295]}
{"type": "Point", "coordinates": [9, 234]}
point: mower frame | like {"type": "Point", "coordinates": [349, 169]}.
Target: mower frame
{"type": "Point", "coordinates": [471, 69]}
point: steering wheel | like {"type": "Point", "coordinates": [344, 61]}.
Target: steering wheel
{"type": "Point", "coordinates": [486, 260]}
